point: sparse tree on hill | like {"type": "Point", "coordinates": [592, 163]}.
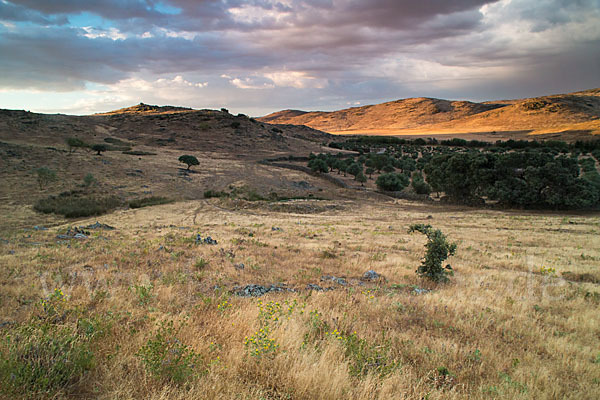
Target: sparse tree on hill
{"type": "Point", "coordinates": [362, 178]}
{"type": "Point", "coordinates": [392, 182]}
{"type": "Point", "coordinates": [318, 165]}
{"type": "Point", "coordinates": [354, 169]}
{"type": "Point", "coordinates": [370, 172]}
{"type": "Point", "coordinates": [45, 176]}
{"type": "Point", "coordinates": [189, 160]}
{"type": "Point", "coordinates": [99, 148]}
{"type": "Point", "coordinates": [75, 143]}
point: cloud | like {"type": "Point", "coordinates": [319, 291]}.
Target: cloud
{"type": "Point", "coordinates": [291, 53]}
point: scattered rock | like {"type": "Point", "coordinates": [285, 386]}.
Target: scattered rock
{"type": "Point", "coordinates": [98, 225]}
{"type": "Point", "coordinates": [74, 233]}
{"type": "Point", "coordinates": [276, 229]}
{"type": "Point", "coordinates": [40, 228]}
{"type": "Point", "coordinates": [3, 241]}
{"type": "Point", "coordinates": [339, 281]}
{"type": "Point", "coordinates": [314, 286]}
{"type": "Point", "coordinates": [302, 185]}
{"type": "Point", "coordinates": [239, 266]}
{"type": "Point", "coordinates": [206, 240]}
{"type": "Point", "coordinates": [11, 252]}
{"type": "Point", "coordinates": [254, 290]}
{"type": "Point", "coordinates": [418, 291]}
{"type": "Point", "coordinates": [371, 275]}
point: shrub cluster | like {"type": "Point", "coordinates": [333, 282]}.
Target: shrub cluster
{"type": "Point", "coordinates": [76, 204]}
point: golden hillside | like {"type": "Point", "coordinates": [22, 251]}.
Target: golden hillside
{"type": "Point", "coordinates": [579, 112]}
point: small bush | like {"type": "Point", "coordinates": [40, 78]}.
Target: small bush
{"type": "Point", "coordinates": [43, 359]}
{"type": "Point", "coordinates": [438, 250]}
{"type": "Point", "coordinates": [365, 357]}
{"type": "Point", "coordinates": [215, 193]}
{"type": "Point", "coordinates": [45, 176]}
{"type": "Point", "coordinates": [88, 180]}
{"type": "Point", "coordinates": [139, 153]}
{"type": "Point", "coordinates": [74, 205]}
{"type": "Point", "coordinates": [166, 357]}
{"type": "Point", "coordinates": [149, 201]}
{"type": "Point", "coordinates": [392, 182]}
{"type": "Point", "coordinates": [419, 185]}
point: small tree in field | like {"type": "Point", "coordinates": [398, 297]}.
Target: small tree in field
{"type": "Point", "coordinates": [44, 176]}
{"type": "Point", "coordinates": [189, 160]}
{"type": "Point", "coordinates": [75, 143]}
{"type": "Point", "coordinates": [99, 148]}
{"type": "Point", "coordinates": [438, 250]}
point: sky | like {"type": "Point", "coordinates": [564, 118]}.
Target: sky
{"type": "Point", "coordinates": [259, 56]}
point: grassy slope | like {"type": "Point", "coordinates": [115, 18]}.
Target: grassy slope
{"type": "Point", "coordinates": [501, 328]}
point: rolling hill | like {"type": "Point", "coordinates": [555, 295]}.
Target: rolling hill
{"type": "Point", "coordinates": [575, 113]}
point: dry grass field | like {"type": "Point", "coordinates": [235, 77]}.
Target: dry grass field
{"type": "Point", "coordinates": [150, 310]}
{"type": "Point", "coordinates": [519, 318]}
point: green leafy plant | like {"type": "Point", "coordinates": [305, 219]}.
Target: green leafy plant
{"type": "Point", "coordinates": [438, 250]}
{"type": "Point", "coordinates": [165, 357]}
{"type": "Point", "coordinates": [88, 180]}
{"type": "Point", "coordinates": [189, 160]}
{"type": "Point", "coordinates": [143, 293]}
{"type": "Point", "coordinates": [45, 176]}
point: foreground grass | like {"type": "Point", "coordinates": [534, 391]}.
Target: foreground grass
{"type": "Point", "coordinates": [156, 310]}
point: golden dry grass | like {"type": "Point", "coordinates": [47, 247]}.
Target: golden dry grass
{"type": "Point", "coordinates": [504, 327]}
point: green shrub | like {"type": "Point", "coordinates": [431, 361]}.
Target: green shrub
{"type": "Point", "coordinates": [438, 250]}
{"type": "Point", "coordinates": [318, 165]}
{"type": "Point", "coordinates": [139, 153]}
{"type": "Point", "coordinates": [365, 357]}
{"type": "Point", "coordinates": [74, 205]}
{"type": "Point", "coordinates": [189, 160]}
{"type": "Point", "coordinates": [43, 359]}
{"type": "Point", "coordinates": [165, 357]}
{"type": "Point", "coordinates": [99, 148]}
{"type": "Point", "coordinates": [419, 185]}
{"type": "Point", "coordinates": [45, 176]}
{"type": "Point", "coordinates": [75, 143]}
{"type": "Point", "coordinates": [88, 180]}
{"type": "Point", "coordinates": [143, 293]}
{"type": "Point", "coordinates": [392, 182]}
{"type": "Point", "coordinates": [215, 193]}
{"type": "Point", "coordinates": [149, 201]}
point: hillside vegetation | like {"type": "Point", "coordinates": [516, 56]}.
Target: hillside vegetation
{"type": "Point", "coordinates": [262, 272]}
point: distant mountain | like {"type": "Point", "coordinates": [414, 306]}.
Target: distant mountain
{"type": "Point", "coordinates": [578, 111]}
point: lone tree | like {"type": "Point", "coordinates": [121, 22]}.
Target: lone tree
{"type": "Point", "coordinates": [99, 148]}
{"type": "Point", "coordinates": [44, 176]}
{"type": "Point", "coordinates": [438, 250]}
{"type": "Point", "coordinates": [189, 160]}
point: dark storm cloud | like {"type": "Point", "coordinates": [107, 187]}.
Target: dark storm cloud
{"type": "Point", "coordinates": [331, 50]}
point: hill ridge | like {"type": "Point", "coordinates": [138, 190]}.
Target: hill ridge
{"type": "Point", "coordinates": [544, 114]}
